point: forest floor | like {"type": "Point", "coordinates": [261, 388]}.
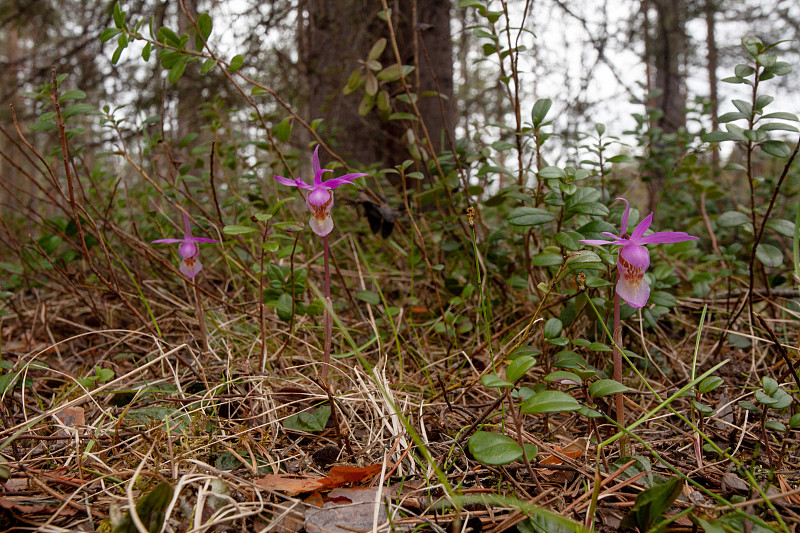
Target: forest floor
{"type": "Point", "coordinates": [95, 417]}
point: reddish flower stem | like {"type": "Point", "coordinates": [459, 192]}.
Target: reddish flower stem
{"type": "Point", "coordinates": [326, 318]}
{"type": "Point", "coordinates": [619, 402]}
{"type": "Point", "coordinates": [201, 316]}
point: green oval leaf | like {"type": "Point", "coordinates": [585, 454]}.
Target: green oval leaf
{"type": "Point", "coordinates": [776, 149]}
{"type": "Point", "coordinates": [492, 381]}
{"type": "Point", "coordinates": [709, 384]}
{"type": "Point", "coordinates": [550, 402]}
{"type": "Point", "coordinates": [518, 367]}
{"type": "Point", "coordinates": [732, 219]}
{"type": "Point", "coordinates": [769, 255]}
{"type": "Point", "coordinates": [539, 112]}
{"type": "Point", "coordinates": [529, 216]}
{"type": "Point", "coordinates": [606, 387]}
{"type": "Point", "coordinates": [552, 328]}
{"type": "Point", "coordinates": [563, 377]}
{"type": "Point", "coordinates": [238, 230]}
{"type": "Point", "coordinates": [205, 24]}
{"type": "Point", "coordinates": [236, 63]}
{"type": "Point", "coordinates": [493, 448]}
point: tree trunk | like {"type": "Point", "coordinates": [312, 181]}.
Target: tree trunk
{"type": "Point", "coordinates": [336, 38]}
{"type": "Point", "coordinates": [668, 49]}
{"type": "Point", "coordinates": [712, 60]}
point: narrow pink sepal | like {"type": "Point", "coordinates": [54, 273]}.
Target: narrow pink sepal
{"type": "Point", "coordinates": [624, 225]}
{"type": "Point", "coordinates": [286, 181]}
{"type": "Point", "coordinates": [166, 241]}
{"type": "Point", "coordinates": [642, 227]}
{"type": "Point", "coordinates": [343, 180]}
{"type": "Point", "coordinates": [316, 165]}
{"type": "Point", "coordinates": [666, 237]}
{"type": "Point", "coordinates": [595, 242]}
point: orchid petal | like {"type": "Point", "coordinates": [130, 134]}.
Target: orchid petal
{"type": "Point", "coordinates": [188, 249]}
{"type": "Point", "coordinates": [203, 239]}
{"type": "Point", "coordinates": [321, 227]}
{"type": "Point", "coordinates": [636, 256]}
{"type": "Point", "coordinates": [664, 237]}
{"type": "Point", "coordinates": [343, 180]}
{"type": "Point", "coordinates": [315, 162]}
{"type": "Point", "coordinates": [624, 225]}
{"type": "Point", "coordinates": [596, 242]}
{"type": "Point", "coordinates": [166, 241]}
{"type": "Point", "coordinates": [319, 196]}
{"type": "Point", "coordinates": [643, 226]}
{"type": "Point", "coordinates": [187, 226]}
{"type": "Point", "coordinates": [318, 177]}
{"type": "Point", "coordinates": [634, 293]}
{"type": "Point", "coordinates": [190, 267]}
{"type": "Point", "coordinates": [287, 181]}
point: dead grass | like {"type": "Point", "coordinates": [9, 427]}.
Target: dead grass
{"type": "Point", "coordinates": [212, 425]}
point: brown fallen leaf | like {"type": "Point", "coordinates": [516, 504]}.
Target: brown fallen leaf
{"type": "Point", "coordinates": [71, 417]}
{"type": "Point", "coordinates": [342, 474]}
{"type": "Point", "coordinates": [291, 484]}
{"type": "Point", "coordinates": [314, 499]}
{"type": "Point", "coordinates": [337, 476]}
{"type": "Point", "coordinates": [573, 450]}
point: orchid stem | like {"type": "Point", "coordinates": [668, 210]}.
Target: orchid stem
{"type": "Point", "coordinates": [624, 443]}
{"type": "Point", "coordinates": [326, 317]}
{"type": "Point", "coordinates": [201, 316]}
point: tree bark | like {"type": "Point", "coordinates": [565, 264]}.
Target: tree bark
{"type": "Point", "coordinates": [668, 48]}
{"type": "Point", "coordinates": [338, 34]}
{"type": "Point", "coordinates": [712, 61]}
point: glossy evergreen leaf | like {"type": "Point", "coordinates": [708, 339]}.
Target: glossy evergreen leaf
{"type": "Point", "coordinates": [539, 112]}
{"type": "Point", "coordinates": [529, 216]}
{"type": "Point", "coordinates": [518, 367]}
{"type": "Point", "coordinates": [776, 149]}
{"type": "Point", "coordinates": [549, 402]}
{"type": "Point", "coordinates": [651, 504]}
{"type": "Point", "coordinates": [769, 255]}
{"type": "Point", "coordinates": [492, 381]}
{"type": "Point", "coordinates": [309, 421]}
{"type": "Point", "coordinates": [236, 63]}
{"type": "Point", "coordinates": [606, 387]}
{"type": "Point", "coordinates": [494, 448]}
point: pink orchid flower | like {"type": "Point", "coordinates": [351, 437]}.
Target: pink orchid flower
{"type": "Point", "coordinates": [320, 199]}
{"type": "Point", "coordinates": [633, 258]}
{"type": "Point", "coordinates": [188, 249]}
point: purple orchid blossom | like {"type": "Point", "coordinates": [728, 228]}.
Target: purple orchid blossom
{"type": "Point", "coordinates": [188, 249]}
{"type": "Point", "coordinates": [633, 258]}
{"type": "Point", "coordinates": [320, 199]}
